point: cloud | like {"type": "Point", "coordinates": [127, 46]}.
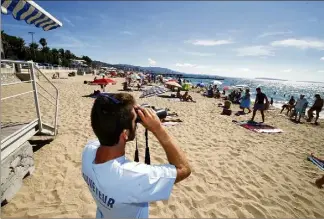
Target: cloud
{"type": "Point", "coordinates": [267, 34]}
{"type": "Point", "coordinates": [286, 70]}
{"type": "Point", "coordinates": [151, 61]}
{"type": "Point", "coordinates": [255, 51]}
{"type": "Point", "coordinates": [68, 21]}
{"type": "Point", "coordinates": [322, 59]}
{"type": "Point", "coordinates": [127, 32]}
{"type": "Point", "coordinates": [244, 69]}
{"type": "Point", "coordinates": [184, 65]}
{"type": "Point", "coordinates": [320, 71]}
{"type": "Point", "coordinates": [188, 65]}
{"type": "Point", "coordinates": [209, 42]}
{"type": "Point", "coordinates": [300, 44]}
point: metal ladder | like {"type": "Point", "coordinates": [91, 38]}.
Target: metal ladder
{"type": "Point", "coordinates": [18, 137]}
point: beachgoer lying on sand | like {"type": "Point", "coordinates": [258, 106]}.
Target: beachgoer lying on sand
{"type": "Point", "coordinates": [171, 120]}
{"type": "Point", "coordinates": [226, 108]}
{"type": "Point", "coordinates": [289, 106]}
{"type": "Point", "coordinates": [246, 101]}
{"type": "Point", "coordinates": [317, 107]}
{"type": "Point", "coordinates": [320, 182]}
{"type": "Point", "coordinates": [187, 97]}
{"type": "Point", "coordinates": [300, 108]}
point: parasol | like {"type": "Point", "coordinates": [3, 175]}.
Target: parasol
{"type": "Point", "coordinates": [135, 77]}
{"type": "Point", "coordinates": [215, 82]}
{"type": "Point", "coordinates": [173, 84]}
{"type": "Point", "coordinates": [103, 81]}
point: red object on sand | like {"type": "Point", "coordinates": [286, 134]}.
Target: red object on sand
{"type": "Point", "coordinates": [103, 81]}
{"type": "Point", "coordinates": [226, 88]}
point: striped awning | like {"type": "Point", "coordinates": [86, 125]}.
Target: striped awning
{"type": "Point", "coordinates": [30, 12]}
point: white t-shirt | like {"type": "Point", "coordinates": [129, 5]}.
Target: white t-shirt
{"type": "Point", "coordinates": [123, 188]}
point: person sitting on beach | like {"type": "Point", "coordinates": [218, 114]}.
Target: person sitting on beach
{"type": "Point", "coordinates": [120, 187]}
{"type": "Point", "coordinates": [187, 97]}
{"type": "Point", "coordinates": [227, 108]}
{"type": "Point", "coordinates": [125, 86]}
{"type": "Point", "coordinates": [139, 87]}
{"type": "Point", "coordinates": [178, 95]}
{"type": "Point", "coordinates": [246, 101]}
{"type": "Point", "coordinates": [217, 94]}
{"type": "Point", "coordinates": [289, 106]}
{"type": "Point", "coordinates": [300, 108]}
{"type": "Point", "coordinates": [259, 103]}
{"type": "Point", "coordinates": [317, 107]}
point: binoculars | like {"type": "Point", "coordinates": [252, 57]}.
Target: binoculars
{"type": "Point", "coordinates": [161, 113]}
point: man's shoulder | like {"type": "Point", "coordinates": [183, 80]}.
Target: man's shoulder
{"type": "Point", "coordinates": [91, 146]}
{"type": "Point", "coordinates": [162, 170]}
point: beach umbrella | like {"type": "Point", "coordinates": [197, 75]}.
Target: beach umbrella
{"type": "Point", "coordinates": [135, 77]}
{"type": "Point", "coordinates": [186, 86]}
{"type": "Point", "coordinates": [215, 82]}
{"type": "Point", "coordinates": [103, 81]}
{"type": "Point", "coordinates": [241, 86]}
{"type": "Point", "coordinates": [153, 91]}
{"type": "Point", "coordinates": [173, 84]}
{"type": "Point", "coordinates": [31, 13]}
{"type": "Point", "coordinates": [226, 88]}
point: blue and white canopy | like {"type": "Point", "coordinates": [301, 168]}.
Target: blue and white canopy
{"type": "Point", "coordinates": [30, 12]}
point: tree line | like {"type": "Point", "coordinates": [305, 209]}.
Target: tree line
{"type": "Point", "coordinates": [15, 48]}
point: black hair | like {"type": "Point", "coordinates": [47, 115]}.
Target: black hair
{"type": "Point", "coordinates": [110, 116]}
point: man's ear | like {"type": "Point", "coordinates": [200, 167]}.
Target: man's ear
{"type": "Point", "coordinates": [125, 134]}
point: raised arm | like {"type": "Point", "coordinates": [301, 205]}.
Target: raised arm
{"type": "Point", "coordinates": [173, 152]}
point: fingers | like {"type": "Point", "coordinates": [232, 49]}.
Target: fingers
{"type": "Point", "coordinates": [141, 115]}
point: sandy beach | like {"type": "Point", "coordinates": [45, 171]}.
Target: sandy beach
{"type": "Point", "coordinates": [236, 172]}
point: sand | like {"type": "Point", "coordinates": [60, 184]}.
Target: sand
{"type": "Point", "coordinates": [235, 172]}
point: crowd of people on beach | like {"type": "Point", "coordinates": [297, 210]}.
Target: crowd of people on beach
{"type": "Point", "coordinates": [114, 126]}
{"type": "Point", "coordinates": [297, 109]}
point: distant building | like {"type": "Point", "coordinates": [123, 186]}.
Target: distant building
{"type": "Point", "coordinates": [77, 63]}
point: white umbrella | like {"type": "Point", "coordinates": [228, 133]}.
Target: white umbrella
{"type": "Point", "coordinates": [241, 86]}
{"type": "Point", "coordinates": [215, 82]}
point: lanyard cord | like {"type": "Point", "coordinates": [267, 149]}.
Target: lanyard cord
{"type": "Point", "coordinates": [136, 159]}
{"type": "Point", "coordinates": [147, 150]}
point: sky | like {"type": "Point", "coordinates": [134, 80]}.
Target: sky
{"type": "Point", "coordinates": [228, 38]}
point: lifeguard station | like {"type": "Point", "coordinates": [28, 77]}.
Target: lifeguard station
{"type": "Point", "coordinates": [16, 151]}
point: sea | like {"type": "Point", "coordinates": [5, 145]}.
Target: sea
{"type": "Point", "coordinates": [280, 91]}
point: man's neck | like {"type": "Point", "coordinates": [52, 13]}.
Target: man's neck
{"type": "Point", "coordinates": [107, 153]}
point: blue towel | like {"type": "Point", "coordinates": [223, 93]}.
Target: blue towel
{"type": "Point", "coordinates": [317, 162]}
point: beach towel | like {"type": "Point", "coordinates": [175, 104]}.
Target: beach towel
{"type": "Point", "coordinates": [257, 127]}
{"type": "Point", "coordinates": [170, 123]}
{"type": "Point", "coordinates": [318, 162]}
